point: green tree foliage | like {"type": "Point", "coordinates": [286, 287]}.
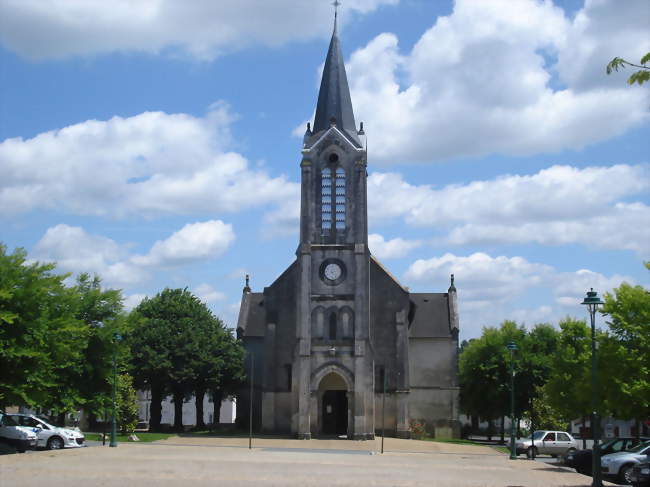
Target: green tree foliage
{"type": "Point", "coordinates": [101, 312]}
{"type": "Point", "coordinates": [41, 339]}
{"type": "Point", "coordinates": [626, 387]}
{"type": "Point", "coordinates": [638, 77]}
{"type": "Point", "coordinates": [544, 416]}
{"type": "Point", "coordinates": [485, 369]}
{"type": "Point", "coordinates": [568, 390]}
{"type": "Point", "coordinates": [126, 404]}
{"type": "Point", "coordinates": [177, 347]}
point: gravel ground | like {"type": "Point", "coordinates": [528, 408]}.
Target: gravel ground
{"type": "Point", "coordinates": [275, 462]}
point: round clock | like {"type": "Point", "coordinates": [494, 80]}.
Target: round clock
{"type": "Point", "coordinates": [332, 271]}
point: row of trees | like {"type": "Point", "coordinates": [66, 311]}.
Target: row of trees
{"type": "Point", "coordinates": [553, 367]}
{"type": "Point", "coordinates": [58, 343]}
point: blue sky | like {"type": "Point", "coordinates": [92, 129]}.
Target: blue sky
{"type": "Point", "coordinates": [157, 143]}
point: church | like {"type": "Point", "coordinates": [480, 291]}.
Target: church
{"type": "Point", "coordinates": [336, 338]}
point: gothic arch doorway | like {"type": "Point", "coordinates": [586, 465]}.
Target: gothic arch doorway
{"type": "Point", "coordinates": [334, 405]}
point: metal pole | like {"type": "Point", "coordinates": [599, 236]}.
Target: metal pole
{"type": "Point", "coordinates": [250, 411]}
{"type": "Point", "coordinates": [513, 451]}
{"type": "Point", "coordinates": [113, 442]}
{"type": "Point", "coordinates": [383, 414]}
{"type": "Point", "coordinates": [595, 423]}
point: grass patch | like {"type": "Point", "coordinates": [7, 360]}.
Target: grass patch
{"type": "Point", "coordinates": [502, 449]}
{"type": "Point", "coordinates": [144, 437]}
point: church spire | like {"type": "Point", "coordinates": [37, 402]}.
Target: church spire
{"type": "Point", "coordinates": [334, 103]}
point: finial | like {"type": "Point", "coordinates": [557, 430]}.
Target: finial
{"type": "Point", "coordinates": [247, 288]}
{"type": "Point", "coordinates": [309, 127]}
{"type": "Point", "coordinates": [361, 132]}
{"type": "Point", "coordinates": [452, 287]}
{"type": "Point", "coordinates": [336, 4]}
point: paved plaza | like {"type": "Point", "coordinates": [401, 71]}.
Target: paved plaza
{"type": "Point", "coordinates": [199, 462]}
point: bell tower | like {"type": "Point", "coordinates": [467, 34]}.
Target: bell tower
{"type": "Point", "coordinates": [333, 261]}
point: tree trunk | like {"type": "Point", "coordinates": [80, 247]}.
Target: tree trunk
{"type": "Point", "coordinates": [503, 428]}
{"type": "Point", "coordinates": [155, 409]}
{"type": "Point", "coordinates": [475, 424]}
{"type": "Point", "coordinates": [217, 397]}
{"type": "Point", "coordinates": [178, 411]}
{"type": "Point", "coordinates": [518, 427]}
{"type": "Point", "coordinates": [638, 431]}
{"type": "Point", "coordinates": [582, 433]}
{"type": "Point", "coordinates": [199, 395]}
{"type": "Point", "coordinates": [490, 429]}
{"type": "Point", "coordinates": [60, 420]}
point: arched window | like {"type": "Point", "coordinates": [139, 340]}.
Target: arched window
{"type": "Point", "coordinates": [326, 199]}
{"type": "Point", "coordinates": [333, 326]}
{"type": "Point", "coordinates": [340, 199]}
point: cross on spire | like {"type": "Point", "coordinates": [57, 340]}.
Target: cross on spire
{"type": "Point", "coordinates": [336, 4]}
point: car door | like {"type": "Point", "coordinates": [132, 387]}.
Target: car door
{"type": "Point", "coordinates": [562, 443]}
{"type": "Point", "coordinates": [548, 443]}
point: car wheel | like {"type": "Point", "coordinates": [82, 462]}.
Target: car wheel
{"type": "Point", "coordinates": [530, 451]}
{"type": "Point", "coordinates": [624, 474]}
{"type": "Point", "coordinates": [54, 443]}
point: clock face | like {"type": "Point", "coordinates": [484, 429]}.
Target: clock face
{"type": "Point", "coordinates": [332, 271]}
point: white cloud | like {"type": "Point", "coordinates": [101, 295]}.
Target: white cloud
{"type": "Point", "coordinates": [390, 249]}
{"type": "Point", "coordinates": [493, 289]}
{"type": "Point", "coordinates": [75, 250]}
{"type": "Point", "coordinates": [483, 80]}
{"type": "Point", "coordinates": [149, 164]}
{"type": "Point", "coordinates": [558, 205]}
{"type": "Point", "coordinates": [132, 300]}
{"type": "Point", "coordinates": [208, 294]}
{"type": "Point", "coordinates": [202, 29]}
{"type": "Point", "coordinates": [195, 241]}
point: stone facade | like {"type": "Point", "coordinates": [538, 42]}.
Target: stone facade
{"type": "Point", "coordinates": [336, 328]}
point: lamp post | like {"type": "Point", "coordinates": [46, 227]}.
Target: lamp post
{"type": "Point", "coordinates": [113, 442]}
{"type": "Point", "coordinates": [512, 346]}
{"type": "Point", "coordinates": [592, 301]}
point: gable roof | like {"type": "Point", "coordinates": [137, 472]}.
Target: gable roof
{"type": "Point", "coordinates": [430, 315]}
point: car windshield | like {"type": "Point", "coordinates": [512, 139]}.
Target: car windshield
{"type": "Point", "coordinates": [538, 434]}
{"type": "Point", "coordinates": [640, 447]}
{"type": "Point", "coordinates": [44, 422]}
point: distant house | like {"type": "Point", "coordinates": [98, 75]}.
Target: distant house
{"type": "Point", "coordinates": [227, 412]}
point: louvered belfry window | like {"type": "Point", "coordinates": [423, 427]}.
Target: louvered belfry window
{"type": "Point", "coordinates": [326, 199]}
{"type": "Point", "coordinates": [340, 199]}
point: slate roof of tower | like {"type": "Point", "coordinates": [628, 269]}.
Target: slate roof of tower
{"type": "Point", "coordinates": [431, 318]}
{"type": "Point", "coordinates": [334, 96]}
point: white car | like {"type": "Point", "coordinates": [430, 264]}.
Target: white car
{"type": "Point", "coordinates": [20, 437]}
{"type": "Point", "coordinates": [620, 464]}
{"type": "Point", "coordinates": [49, 436]}
{"type": "Point", "coordinates": [554, 443]}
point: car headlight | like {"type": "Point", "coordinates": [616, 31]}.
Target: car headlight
{"type": "Point", "coordinates": [645, 471]}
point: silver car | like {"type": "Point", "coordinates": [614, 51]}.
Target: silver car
{"type": "Point", "coordinates": [620, 464]}
{"type": "Point", "coordinates": [49, 436]}
{"type": "Point", "coordinates": [554, 443]}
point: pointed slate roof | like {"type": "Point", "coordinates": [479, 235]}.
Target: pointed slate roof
{"type": "Point", "coordinates": [334, 96]}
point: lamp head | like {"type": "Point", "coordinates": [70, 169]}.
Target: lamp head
{"type": "Point", "coordinates": [592, 300]}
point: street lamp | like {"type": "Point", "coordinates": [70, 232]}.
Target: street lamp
{"type": "Point", "coordinates": [512, 346]}
{"type": "Point", "coordinates": [592, 301]}
{"type": "Point", "coordinates": [113, 442]}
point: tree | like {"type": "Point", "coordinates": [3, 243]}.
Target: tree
{"type": "Point", "coordinates": [232, 374]}
{"type": "Point", "coordinates": [101, 312]}
{"type": "Point", "coordinates": [626, 387]}
{"type": "Point", "coordinates": [177, 346]}
{"type": "Point", "coordinates": [41, 340]}
{"type": "Point", "coordinates": [639, 77]}
{"type": "Point", "coordinates": [126, 404]}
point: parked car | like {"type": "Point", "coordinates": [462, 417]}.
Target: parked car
{"type": "Point", "coordinates": [19, 437]}
{"type": "Point", "coordinates": [554, 443]}
{"type": "Point", "coordinates": [620, 464]}
{"type": "Point", "coordinates": [640, 475]}
{"type": "Point", "coordinates": [581, 460]}
{"type": "Point", "coordinates": [49, 436]}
